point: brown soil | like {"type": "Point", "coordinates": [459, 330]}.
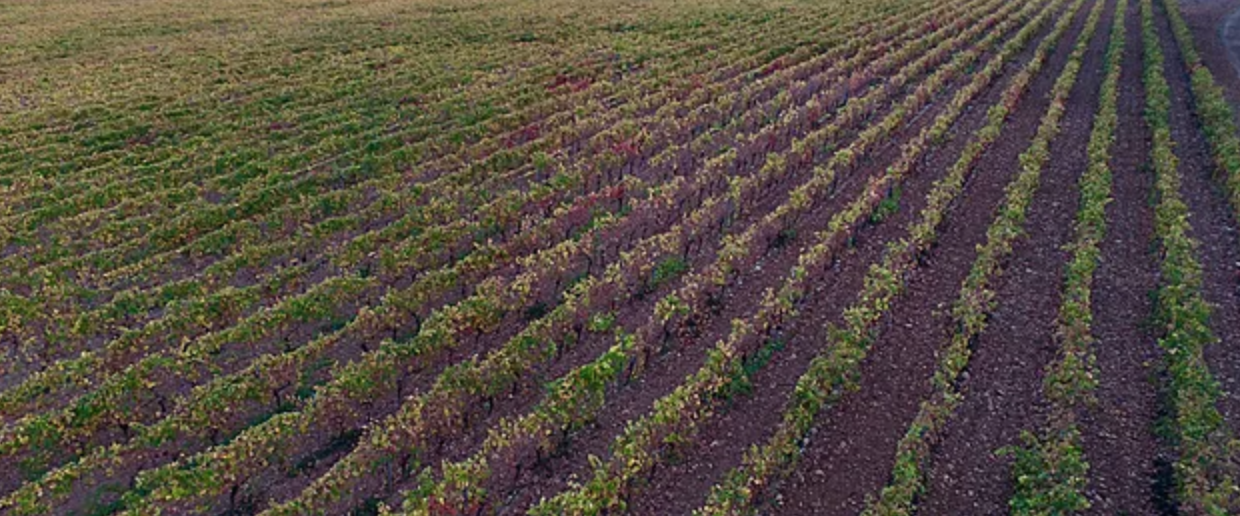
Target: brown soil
{"type": "Point", "coordinates": [1118, 434]}
{"type": "Point", "coordinates": [1002, 392]}
{"type": "Point", "coordinates": [850, 454]}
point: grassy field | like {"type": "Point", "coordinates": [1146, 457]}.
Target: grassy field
{"type": "Point", "coordinates": [710, 257]}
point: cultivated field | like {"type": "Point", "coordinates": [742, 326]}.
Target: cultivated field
{"type": "Point", "coordinates": [456, 257]}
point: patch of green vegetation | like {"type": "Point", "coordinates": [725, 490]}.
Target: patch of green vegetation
{"type": "Point", "coordinates": [887, 207]}
{"type": "Point", "coordinates": [602, 323]}
{"type": "Point", "coordinates": [667, 270]}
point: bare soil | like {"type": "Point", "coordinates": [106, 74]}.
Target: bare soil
{"type": "Point", "coordinates": [1002, 392]}
{"type": "Point", "coordinates": [1128, 462]}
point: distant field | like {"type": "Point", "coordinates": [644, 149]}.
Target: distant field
{"type": "Point", "coordinates": [455, 257]}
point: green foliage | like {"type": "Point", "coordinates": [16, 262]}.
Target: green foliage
{"type": "Point", "coordinates": [667, 269]}
{"type": "Point", "coordinates": [887, 207]}
{"type": "Point", "coordinates": [1050, 474]}
{"type": "Point", "coordinates": [602, 322]}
